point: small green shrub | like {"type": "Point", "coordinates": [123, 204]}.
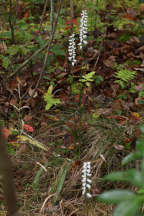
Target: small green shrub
{"type": "Point", "coordinates": [128, 203]}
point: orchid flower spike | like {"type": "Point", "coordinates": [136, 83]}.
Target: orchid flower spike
{"type": "Point", "coordinates": [86, 181]}
{"type": "Point", "coordinates": [83, 28]}
{"type": "Point", "coordinates": [71, 49]}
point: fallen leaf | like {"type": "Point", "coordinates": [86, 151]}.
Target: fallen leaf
{"type": "Point", "coordinates": [28, 128]}
{"type": "Point", "coordinates": [110, 61]}
{"type": "Point", "coordinates": [118, 147]}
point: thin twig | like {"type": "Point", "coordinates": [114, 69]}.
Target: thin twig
{"type": "Point", "coordinates": [11, 23]}
{"type": "Point", "coordinates": [43, 13]}
{"type": "Point", "coordinates": [51, 16]}
{"type": "Point", "coordinates": [48, 49]}
{"type": "Point", "coordinates": [48, 44]}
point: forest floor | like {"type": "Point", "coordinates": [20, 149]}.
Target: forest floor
{"type": "Point", "coordinates": [98, 122]}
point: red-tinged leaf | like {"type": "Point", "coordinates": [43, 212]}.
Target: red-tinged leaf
{"type": "Point", "coordinates": [6, 132]}
{"type": "Point", "coordinates": [26, 15]}
{"type": "Point", "coordinates": [28, 128]}
{"type": "Point", "coordinates": [77, 98]}
{"type": "Point", "coordinates": [72, 21]}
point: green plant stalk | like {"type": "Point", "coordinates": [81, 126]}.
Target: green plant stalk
{"type": "Point", "coordinates": [86, 205]}
{"type": "Point", "coordinates": [80, 105]}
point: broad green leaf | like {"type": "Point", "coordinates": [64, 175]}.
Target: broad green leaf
{"type": "Point", "coordinates": [49, 99]}
{"type": "Point", "coordinates": [130, 157]}
{"type": "Point", "coordinates": [142, 127]}
{"type": "Point", "coordinates": [127, 208]}
{"type": "Point", "coordinates": [114, 176]}
{"type": "Point", "coordinates": [140, 145]}
{"type": "Point", "coordinates": [58, 184]}
{"type": "Point", "coordinates": [133, 176]}
{"type": "Point", "coordinates": [142, 165]}
{"type": "Point", "coordinates": [116, 196]}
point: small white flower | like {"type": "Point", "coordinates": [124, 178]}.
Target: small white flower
{"type": "Point", "coordinates": [71, 50]}
{"type": "Point", "coordinates": [83, 28]}
{"type": "Point", "coordinates": [86, 181]}
{"type": "Point", "coordinates": [89, 195]}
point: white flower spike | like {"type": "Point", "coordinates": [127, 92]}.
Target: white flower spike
{"type": "Point", "coordinates": [86, 181]}
{"type": "Point", "coordinates": [71, 50]}
{"type": "Point", "coordinates": [83, 28]}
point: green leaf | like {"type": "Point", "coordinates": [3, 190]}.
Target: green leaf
{"type": "Point", "coordinates": [116, 196]}
{"type": "Point", "coordinates": [5, 35]}
{"type": "Point", "coordinates": [133, 176]}
{"type": "Point", "coordinates": [142, 127]}
{"type": "Point", "coordinates": [13, 50]}
{"type": "Point", "coordinates": [132, 156]}
{"type": "Point", "coordinates": [58, 184]}
{"type": "Point", "coordinates": [140, 145]}
{"type": "Point", "coordinates": [127, 208]}
{"type": "Point", "coordinates": [98, 79]}
{"type": "Point", "coordinates": [49, 99]}
{"type": "Point", "coordinates": [5, 62]}
{"type": "Point", "coordinates": [58, 50]}
{"type": "Point", "coordinates": [40, 40]}
{"type": "Point", "coordinates": [88, 77]}
{"type": "Point", "coordinates": [37, 176]}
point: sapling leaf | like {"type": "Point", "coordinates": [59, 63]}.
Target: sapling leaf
{"type": "Point", "coordinates": [142, 128]}
{"type": "Point", "coordinates": [142, 164]}
{"type": "Point", "coordinates": [128, 208]}
{"type": "Point", "coordinates": [140, 145]}
{"type": "Point", "coordinates": [132, 176]}
{"type": "Point", "coordinates": [116, 196]}
{"type": "Point", "coordinates": [49, 99]}
{"type": "Point", "coordinates": [132, 156]}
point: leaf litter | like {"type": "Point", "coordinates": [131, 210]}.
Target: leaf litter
{"type": "Point", "coordinates": [106, 133]}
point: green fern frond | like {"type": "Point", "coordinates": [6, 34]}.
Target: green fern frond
{"type": "Point", "coordinates": [125, 75]}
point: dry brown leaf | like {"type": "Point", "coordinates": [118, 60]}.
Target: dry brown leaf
{"type": "Point", "coordinates": [110, 61]}
{"type": "Point", "coordinates": [30, 92]}
{"type": "Point", "coordinates": [118, 147]}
